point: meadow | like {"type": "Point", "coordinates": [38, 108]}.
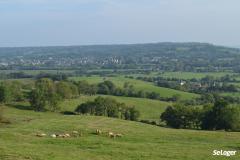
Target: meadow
{"type": "Point", "coordinates": [139, 85]}
{"type": "Point", "coordinates": [149, 109]}
{"type": "Point", "coordinates": [191, 75]}
{"type": "Point", "coordinates": [139, 141]}
{"type": "Point", "coordinates": [36, 72]}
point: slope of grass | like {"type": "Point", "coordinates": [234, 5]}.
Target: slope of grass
{"type": "Point", "coordinates": [149, 109]}
{"type": "Point", "coordinates": [139, 85]}
{"type": "Point", "coordinates": [140, 141]}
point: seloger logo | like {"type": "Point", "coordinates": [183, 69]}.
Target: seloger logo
{"type": "Point", "coordinates": [224, 153]}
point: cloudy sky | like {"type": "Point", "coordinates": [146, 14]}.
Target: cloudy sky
{"type": "Point", "coordinates": [81, 22]}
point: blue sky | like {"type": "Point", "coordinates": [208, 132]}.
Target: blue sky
{"type": "Point", "coordinates": [81, 22]}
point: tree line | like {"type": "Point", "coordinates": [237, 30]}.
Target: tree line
{"type": "Point", "coordinates": [46, 94]}
{"type": "Point", "coordinates": [218, 116]}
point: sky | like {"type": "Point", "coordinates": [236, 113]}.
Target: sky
{"type": "Point", "coordinates": [85, 22]}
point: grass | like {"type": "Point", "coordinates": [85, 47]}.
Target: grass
{"type": "Point", "coordinates": [36, 72]}
{"type": "Point", "coordinates": [149, 109]}
{"type": "Point", "coordinates": [139, 85]}
{"type": "Point", "coordinates": [232, 94]}
{"type": "Point", "coordinates": [140, 141]}
{"type": "Point", "coordinates": [190, 75]}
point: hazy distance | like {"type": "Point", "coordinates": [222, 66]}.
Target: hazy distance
{"type": "Point", "coordinates": [84, 22]}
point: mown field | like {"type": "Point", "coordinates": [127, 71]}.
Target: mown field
{"type": "Point", "coordinates": [139, 85]}
{"type": "Point", "coordinates": [140, 141]}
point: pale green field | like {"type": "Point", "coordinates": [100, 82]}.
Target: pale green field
{"type": "Point", "coordinates": [190, 75]}
{"type": "Point", "coordinates": [140, 141]}
{"type": "Point", "coordinates": [139, 85]}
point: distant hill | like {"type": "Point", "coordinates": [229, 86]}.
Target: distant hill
{"type": "Point", "coordinates": [155, 56]}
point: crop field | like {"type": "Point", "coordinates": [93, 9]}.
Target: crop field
{"type": "Point", "coordinates": [139, 85]}
{"type": "Point", "coordinates": [18, 139]}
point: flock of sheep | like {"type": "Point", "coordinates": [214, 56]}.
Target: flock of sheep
{"type": "Point", "coordinates": [110, 134]}
{"type": "Point", "coordinates": [64, 135]}
{"type": "Point", "coordinates": [77, 134]}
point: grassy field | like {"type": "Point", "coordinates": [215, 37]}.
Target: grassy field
{"type": "Point", "coordinates": [190, 75]}
{"type": "Point", "coordinates": [149, 109]}
{"type": "Point", "coordinates": [140, 141]}
{"type": "Point", "coordinates": [139, 85]}
{"type": "Point", "coordinates": [35, 72]}
{"type": "Point", "coordinates": [232, 94]}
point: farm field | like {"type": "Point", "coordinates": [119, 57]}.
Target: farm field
{"type": "Point", "coordinates": [140, 141]}
{"type": "Point", "coordinates": [139, 85]}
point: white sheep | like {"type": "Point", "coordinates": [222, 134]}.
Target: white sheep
{"type": "Point", "coordinates": [53, 136]}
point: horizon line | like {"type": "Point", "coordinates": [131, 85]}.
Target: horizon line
{"type": "Point", "coordinates": [115, 44]}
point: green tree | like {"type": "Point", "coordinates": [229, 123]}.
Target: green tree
{"type": "Point", "coordinates": [180, 116]}
{"type": "Point", "coordinates": [64, 90]}
{"type": "Point", "coordinates": [85, 88]}
{"type": "Point", "coordinates": [44, 96]}
{"type": "Point", "coordinates": [134, 114]}
{"type": "Point", "coordinates": [16, 90]}
{"type": "Point", "coordinates": [5, 95]}
{"type": "Point", "coordinates": [106, 87]}
{"type": "Point", "coordinates": [37, 100]}
{"type": "Point", "coordinates": [221, 116]}
{"type": "Point", "coordinates": [1, 113]}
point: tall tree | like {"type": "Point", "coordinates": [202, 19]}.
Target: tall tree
{"type": "Point", "coordinates": [44, 96]}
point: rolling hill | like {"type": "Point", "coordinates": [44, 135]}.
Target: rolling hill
{"type": "Point", "coordinates": [139, 85]}
{"type": "Point", "coordinates": [140, 141]}
{"type": "Point", "coordinates": [149, 109]}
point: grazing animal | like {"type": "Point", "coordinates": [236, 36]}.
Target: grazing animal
{"type": "Point", "coordinates": [53, 136]}
{"type": "Point", "coordinates": [60, 136]}
{"type": "Point", "coordinates": [67, 135]}
{"type": "Point", "coordinates": [63, 135]}
{"type": "Point", "coordinates": [118, 135]}
{"type": "Point", "coordinates": [40, 134]}
{"type": "Point", "coordinates": [75, 132]}
{"type": "Point", "coordinates": [98, 132]}
{"type": "Point", "coordinates": [111, 134]}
